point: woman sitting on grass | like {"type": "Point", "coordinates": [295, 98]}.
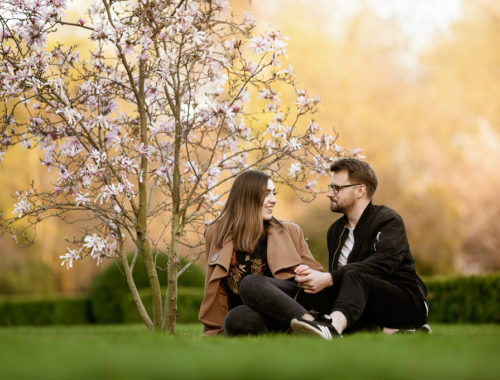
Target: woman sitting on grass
{"type": "Point", "coordinates": [246, 244]}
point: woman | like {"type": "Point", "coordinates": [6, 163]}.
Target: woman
{"type": "Point", "coordinates": [246, 244]}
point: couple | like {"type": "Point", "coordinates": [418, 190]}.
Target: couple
{"type": "Point", "coordinates": [261, 276]}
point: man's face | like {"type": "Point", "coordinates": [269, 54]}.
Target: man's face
{"type": "Point", "coordinates": [346, 198]}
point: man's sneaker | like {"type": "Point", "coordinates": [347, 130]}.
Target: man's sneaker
{"type": "Point", "coordinates": [320, 317]}
{"type": "Point", "coordinates": [322, 329]}
{"type": "Point", "coordinates": [426, 329]}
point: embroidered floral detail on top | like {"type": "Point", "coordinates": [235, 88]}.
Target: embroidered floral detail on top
{"type": "Point", "coordinates": [243, 264]}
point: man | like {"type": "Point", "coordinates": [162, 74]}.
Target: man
{"type": "Point", "coordinates": [371, 274]}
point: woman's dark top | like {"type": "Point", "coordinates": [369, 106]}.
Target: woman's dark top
{"type": "Point", "coordinates": [243, 264]}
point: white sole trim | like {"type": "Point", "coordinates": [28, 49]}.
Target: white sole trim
{"type": "Point", "coordinates": [303, 328]}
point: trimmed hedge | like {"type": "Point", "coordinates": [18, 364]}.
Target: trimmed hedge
{"type": "Point", "coordinates": [110, 287]}
{"type": "Point", "coordinates": [188, 305]}
{"type": "Point", "coordinates": [474, 299]}
{"type": "Point", "coordinates": [55, 311]}
{"type": "Point", "coordinates": [70, 311]}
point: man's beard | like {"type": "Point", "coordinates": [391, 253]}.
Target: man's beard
{"type": "Point", "coordinates": [341, 209]}
{"type": "Point", "coordinates": [334, 207]}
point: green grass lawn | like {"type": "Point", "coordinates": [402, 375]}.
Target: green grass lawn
{"type": "Point", "coordinates": [130, 352]}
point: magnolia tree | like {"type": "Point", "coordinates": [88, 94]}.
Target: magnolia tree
{"type": "Point", "coordinates": [144, 129]}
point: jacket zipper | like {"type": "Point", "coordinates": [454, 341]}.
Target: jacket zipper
{"type": "Point", "coordinates": [337, 250]}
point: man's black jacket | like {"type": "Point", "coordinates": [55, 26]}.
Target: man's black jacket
{"type": "Point", "coordinates": [380, 248]}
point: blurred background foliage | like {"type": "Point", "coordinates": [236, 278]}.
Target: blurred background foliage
{"type": "Point", "coordinates": [425, 111]}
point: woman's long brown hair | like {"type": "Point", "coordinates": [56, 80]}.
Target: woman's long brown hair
{"type": "Point", "coordinates": [242, 215]}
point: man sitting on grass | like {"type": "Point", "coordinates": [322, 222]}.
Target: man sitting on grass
{"type": "Point", "coordinates": [371, 278]}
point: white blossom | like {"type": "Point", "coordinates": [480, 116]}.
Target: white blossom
{"type": "Point", "coordinates": [249, 20]}
{"type": "Point", "coordinates": [356, 152]}
{"type": "Point", "coordinates": [98, 156]}
{"type": "Point", "coordinates": [163, 172]}
{"type": "Point", "coordinates": [212, 198]}
{"type": "Point", "coordinates": [108, 191]}
{"type": "Point", "coordinates": [86, 181]}
{"type": "Point", "coordinates": [82, 199]}
{"type": "Point", "coordinates": [72, 148]}
{"type": "Point", "coordinates": [293, 144]}
{"type": "Point", "coordinates": [294, 169]}
{"type": "Point", "coordinates": [99, 247]}
{"type": "Point", "coordinates": [127, 185]}
{"type": "Point", "coordinates": [311, 185]}
{"type": "Point", "coordinates": [65, 176]}
{"type": "Point", "coordinates": [230, 44]}
{"type": "Point", "coordinates": [212, 175]}
{"type": "Point", "coordinates": [22, 206]}
{"type": "Point", "coordinates": [328, 141]}
{"type": "Point", "coordinates": [267, 42]}
{"type": "Point", "coordinates": [70, 256]}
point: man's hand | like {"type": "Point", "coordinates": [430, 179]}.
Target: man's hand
{"type": "Point", "coordinates": [312, 281]}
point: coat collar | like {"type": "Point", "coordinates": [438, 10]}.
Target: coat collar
{"type": "Point", "coordinates": [364, 216]}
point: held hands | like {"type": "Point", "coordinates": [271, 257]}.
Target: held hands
{"type": "Point", "coordinates": [312, 281]}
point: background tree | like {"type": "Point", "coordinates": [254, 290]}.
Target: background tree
{"type": "Point", "coordinates": [146, 129]}
{"type": "Point", "coordinates": [427, 119]}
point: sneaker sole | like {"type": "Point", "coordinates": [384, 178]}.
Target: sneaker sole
{"type": "Point", "coordinates": [426, 329]}
{"type": "Point", "coordinates": [304, 329]}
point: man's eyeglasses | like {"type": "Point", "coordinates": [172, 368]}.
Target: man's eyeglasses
{"type": "Point", "coordinates": [336, 188]}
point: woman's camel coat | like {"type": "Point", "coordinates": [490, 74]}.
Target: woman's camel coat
{"type": "Point", "coordinates": [286, 249]}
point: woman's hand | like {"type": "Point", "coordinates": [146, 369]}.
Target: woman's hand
{"type": "Point", "coordinates": [302, 270]}
{"type": "Point", "coordinates": [312, 281]}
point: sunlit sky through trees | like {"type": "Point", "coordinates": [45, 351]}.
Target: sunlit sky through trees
{"type": "Point", "coordinates": [420, 20]}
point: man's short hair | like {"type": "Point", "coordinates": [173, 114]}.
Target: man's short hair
{"type": "Point", "coordinates": [359, 172]}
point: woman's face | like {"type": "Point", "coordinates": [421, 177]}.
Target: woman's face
{"type": "Point", "coordinates": [269, 201]}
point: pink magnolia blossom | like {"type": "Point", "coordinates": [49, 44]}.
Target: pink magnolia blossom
{"type": "Point", "coordinates": [311, 185]}
{"type": "Point", "coordinates": [356, 152]}
{"type": "Point", "coordinates": [272, 97]}
{"type": "Point", "coordinates": [252, 67]}
{"type": "Point", "coordinates": [249, 20]}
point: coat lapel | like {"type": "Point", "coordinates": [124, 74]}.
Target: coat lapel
{"type": "Point", "coordinates": [221, 260]}
{"type": "Point", "coordinates": [281, 252]}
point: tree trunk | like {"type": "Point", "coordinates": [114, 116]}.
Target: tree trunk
{"type": "Point", "coordinates": [142, 213]}
{"type": "Point", "coordinates": [135, 293]}
{"type": "Point", "coordinates": [170, 312]}
{"type": "Point", "coordinates": [154, 283]}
